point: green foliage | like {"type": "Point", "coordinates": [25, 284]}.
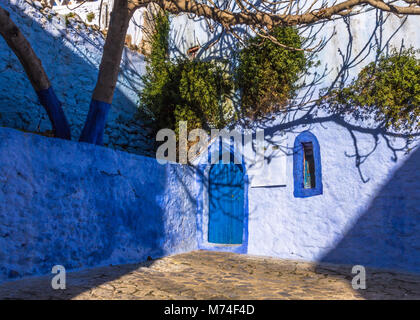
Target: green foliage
{"type": "Point", "coordinates": [68, 16]}
{"type": "Point", "coordinates": [388, 92]}
{"type": "Point", "coordinates": [266, 77]}
{"type": "Point", "coordinates": [90, 16]}
{"type": "Point", "coordinates": [159, 43]}
{"type": "Point", "coordinates": [267, 73]}
{"type": "Point", "coordinates": [183, 90]}
{"type": "Point", "coordinates": [154, 96]}
{"type": "Point", "coordinates": [204, 88]}
{"type": "Point", "coordinates": [199, 91]}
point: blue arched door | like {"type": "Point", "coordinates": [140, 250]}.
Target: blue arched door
{"type": "Point", "coordinates": [226, 203]}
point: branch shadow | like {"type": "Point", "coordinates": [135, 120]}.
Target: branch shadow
{"type": "Point", "coordinates": [386, 235]}
{"type": "Point", "coordinates": [305, 110]}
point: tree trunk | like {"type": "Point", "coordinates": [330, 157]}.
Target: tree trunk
{"type": "Point", "coordinates": [108, 73]}
{"type": "Point", "coordinates": [36, 74]}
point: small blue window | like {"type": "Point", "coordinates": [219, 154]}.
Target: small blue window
{"type": "Point", "coordinates": [307, 173]}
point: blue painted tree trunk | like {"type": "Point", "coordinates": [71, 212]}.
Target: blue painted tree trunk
{"type": "Point", "coordinates": [226, 204]}
{"type": "Point", "coordinates": [55, 112]}
{"type": "Point", "coordinates": [93, 130]}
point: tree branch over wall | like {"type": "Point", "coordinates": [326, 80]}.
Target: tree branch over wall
{"type": "Point", "coordinates": [259, 16]}
{"type": "Point", "coordinates": [268, 13]}
{"type": "Point", "coordinates": [36, 74]}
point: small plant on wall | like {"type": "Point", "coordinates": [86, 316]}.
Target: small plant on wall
{"type": "Point", "coordinates": [90, 16]}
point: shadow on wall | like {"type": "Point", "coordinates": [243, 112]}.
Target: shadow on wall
{"type": "Point", "coordinates": [80, 206]}
{"type": "Point", "coordinates": [387, 235]}
{"type": "Point", "coordinates": [70, 54]}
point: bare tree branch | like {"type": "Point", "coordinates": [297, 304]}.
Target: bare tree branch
{"type": "Point", "coordinates": [250, 14]}
{"type": "Point", "coordinates": [23, 50]}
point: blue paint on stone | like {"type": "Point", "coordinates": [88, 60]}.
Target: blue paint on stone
{"type": "Point", "coordinates": [93, 130]}
{"type": "Point", "coordinates": [55, 112]}
{"type": "Point", "coordinates": [80, 205]}
{"type": "Point", "coordinates": [298, 167]}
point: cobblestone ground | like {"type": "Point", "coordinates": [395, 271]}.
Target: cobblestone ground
{"type": "Point", "coordinates": [216, 275]}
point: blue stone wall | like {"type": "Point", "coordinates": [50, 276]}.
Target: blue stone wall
{"type": "Point", "coordinates": [71, 54]}
{"type": "Point", "coordinates": [81, 205]}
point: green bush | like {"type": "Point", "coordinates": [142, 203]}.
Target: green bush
{"type": "Point", "coordinates": [267, 73]}
{"type": "Point", "coordinates": [200, 91]}
{"type": "Point", "coordinates": [266, 77]}
{"type": "Point", "coordinates": [387, 91]}
{"type": "Point", "coordinates": [68, 16]}
{"type": "Point", "coordinates": [183, 90]}
{"type": "Point", "coordinates": [204, 88]}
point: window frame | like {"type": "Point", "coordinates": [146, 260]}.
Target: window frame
{"type": "Point", "coordinates": [298, 166]}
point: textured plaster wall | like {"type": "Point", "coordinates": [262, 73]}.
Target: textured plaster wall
{"type": "Point", "coordinates": [79, 205]}
{"type": "Point", "coordinates": [371, 217]}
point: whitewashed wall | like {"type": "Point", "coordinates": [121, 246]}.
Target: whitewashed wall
{"type": "Point", "coordinates": [368, 214]}
{"type": "Point", "coordinates": [371, 217]}
{"type": "Point", "coordinates": [94, 7]}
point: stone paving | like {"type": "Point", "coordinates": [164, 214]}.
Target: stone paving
{"type": "Point", "coordinates": [217, 275]}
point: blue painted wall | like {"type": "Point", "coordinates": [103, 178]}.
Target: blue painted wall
{"type": "Point", "coordinates": [368, 212]}
{"type": "Point", "coordinates": [81, 205]}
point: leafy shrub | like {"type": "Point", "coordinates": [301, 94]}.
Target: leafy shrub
{"type": "Point", "coordinates": [182, 90]}
{"type": "Point", "coordinates": [267, 73]}
{"type": "Point", "coordinates": [387, 91]}
{"type": "Point", "coordinates": [68, 16]}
